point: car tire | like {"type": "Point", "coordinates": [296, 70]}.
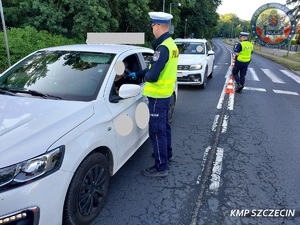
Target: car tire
{"type": "Point", "coordinates": [171, 108]}
{"type": "Point", "coordinates": [203, 85]}
{"type": "Point", "coordinates": [87, 191]}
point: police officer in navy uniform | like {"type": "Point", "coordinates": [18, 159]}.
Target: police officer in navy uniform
{"type": "Point", "coordinates": [160, 83]}
{"type": "Point", "coordinates": [242, 51]}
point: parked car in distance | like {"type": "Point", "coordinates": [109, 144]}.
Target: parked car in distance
{"type": "Point", "coordinates": [66, 127]}
{"type": "Point", "coordinates": [196, 61]}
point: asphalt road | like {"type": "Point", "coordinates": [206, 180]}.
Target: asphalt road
{"type": "Point", "coordinates": [236, 156]}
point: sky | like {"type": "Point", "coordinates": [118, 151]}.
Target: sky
{"type": "Point", "coordinates": [244, 9]}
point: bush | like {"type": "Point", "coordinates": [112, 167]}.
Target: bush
{"type": "Point", "coordinates": [23, 41]}
{"type": "Point", "coordinates": [293, 42]}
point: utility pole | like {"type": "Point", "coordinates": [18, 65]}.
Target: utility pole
{"type": "Point", "coordinates": [5, 35]}
{"type": "Point", "coordinates": [185, 28]}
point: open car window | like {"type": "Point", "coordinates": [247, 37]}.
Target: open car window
{"type": "Point", "coordinates": [132, 64]}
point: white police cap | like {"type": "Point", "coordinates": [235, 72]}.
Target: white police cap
{"type": "Point", "coordinates": [244, 34]}
{"type": "Point", "coordinates": [160, 17]}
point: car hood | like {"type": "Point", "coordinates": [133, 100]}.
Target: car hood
{"type": "Point", "coordinates": [29, 126]}
{"type": "Point", "coordinates": [189, 59]}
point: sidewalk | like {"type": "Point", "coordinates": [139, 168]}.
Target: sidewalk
{"type": "Point", "coordinates": [279, 55]}
{"type": "Point", "coordinates": [275, 51]}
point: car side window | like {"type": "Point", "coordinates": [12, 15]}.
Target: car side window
{"type": "Point", "coordinates": [147, 58]}
{"type": "Point", "coordinates": [132, 64]}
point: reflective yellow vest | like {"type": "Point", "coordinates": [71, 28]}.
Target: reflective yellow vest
{"type": "Point", "coordinates": [245, 54]}
{"type": "Point", "coordinates": [164, 86]}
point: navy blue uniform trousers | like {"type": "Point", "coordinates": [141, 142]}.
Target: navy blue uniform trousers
{"type": "Point", "coordinates": [239, 71]}
{"type": "Point", "coordinates": [160, 131]}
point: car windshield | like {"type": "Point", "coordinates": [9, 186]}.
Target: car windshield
{"type": "Point", "coordinates": [190, 48]}
{"type": "Point", "coordinates": [64, 74]}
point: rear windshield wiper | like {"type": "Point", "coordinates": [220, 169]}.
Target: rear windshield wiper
{"type": "Point", "coordinates": [35, 93]}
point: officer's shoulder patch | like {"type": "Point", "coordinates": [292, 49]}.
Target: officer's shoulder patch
{"type": "Point", "coordinates": [156, 55]}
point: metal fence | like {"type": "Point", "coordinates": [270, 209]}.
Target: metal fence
{"type": "Point", "coordinates": [291, 48]}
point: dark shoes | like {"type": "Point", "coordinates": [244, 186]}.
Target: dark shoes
{"type": "Point", "coordinates": [171, 159]}
{"type": "Point", "coordinates": [239, 88]}
{"type": "Point", "coordinates": [153, 172]}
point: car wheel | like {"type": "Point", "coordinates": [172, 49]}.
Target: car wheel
{"type": "Point", "coordinates": [203, 85]}
{"type": "Point", "coordinates": [171, 108]}
{"type": "Point", "coordinates": [87, 191]}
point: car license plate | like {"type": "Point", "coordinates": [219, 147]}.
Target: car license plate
{"type": "Point", "coordinates": [179, 74]}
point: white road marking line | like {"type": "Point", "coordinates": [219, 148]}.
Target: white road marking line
{"type": "Point", "coordinates": [272, 76]}
{"type": "Point", "coordinates": [216, 171]}
{"type": "Point", "coordinates": [215, 123]}
{"type": "Point", "coordinates": [203, 163]}
{"type": "Point", "coordinates": [225, 124]}
{"type": "Point", "coordinates": [222, 96]}
{"type": "Point", "coordinates": [228, 73]}
{"type": "Point", "coordinates": [221, 99]}
{"type": "Point", "coordinates": [291, 75]}
{"type": "Point", "coordinates": [230, 102]}
{"type": "Point", "coordinates": [285, 92]}
{"type": "Point", "coordinates": [254, 89]}
{"type": "Point", "coordinates": [254, 75]}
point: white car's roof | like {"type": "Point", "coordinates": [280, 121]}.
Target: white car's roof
{"type": "Point", "coordinates": [189, 40]}
{"type": "Point", "coordinates": [106, 48]}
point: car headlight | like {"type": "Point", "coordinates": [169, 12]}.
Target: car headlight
{"type": "Point", "coordinates": [196, 67]}
{"type": "Point", "coordinates": [36, 168]}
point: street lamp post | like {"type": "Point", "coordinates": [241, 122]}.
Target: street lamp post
{"type": "Point", "coordinates": [163, 5]}
{"type": "Point", "coordinates": [175, 4]}
{"type": "Point", "coordinates": [185, 28]}
{"type": "Point", "coordinates": [5, 35]}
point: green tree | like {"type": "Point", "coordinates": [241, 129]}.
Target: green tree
{"type": "Point", "coordinates": [201, 16]}
{"type": "Point", "coordinates": [230, 26]}
{"type": "Point", "coordinates": [72, 18]}
{"type": "Point", "coordinates": [132, 16]}
{"type": "Point", "coordinates": [23, 41]}
{"type": "Point", "coordinates": [296, 9]}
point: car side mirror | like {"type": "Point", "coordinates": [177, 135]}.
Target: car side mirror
{"type": "Point", "coordinates": [129, 90]}
{"type": "Point", "coordinates": [210, 52]}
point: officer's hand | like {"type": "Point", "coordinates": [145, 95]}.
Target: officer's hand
{"type": "Point", "coordinates": [132, 75]}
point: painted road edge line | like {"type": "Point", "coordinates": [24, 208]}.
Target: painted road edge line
{"type": "Point", "coordinates": [203, 163]}
{"type": "Point", "coordinates": [216, 171]}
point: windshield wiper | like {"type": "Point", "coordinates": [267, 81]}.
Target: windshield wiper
{"type": "Point", "coordinates": [35, 93]}
{"type": "Point", "coordinates": [6, 92]}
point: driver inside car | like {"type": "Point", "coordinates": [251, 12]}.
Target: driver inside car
{"type": "Point", "coordinates": [121, 79]}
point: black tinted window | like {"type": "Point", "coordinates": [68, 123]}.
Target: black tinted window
{"type": "Point", "coordinates": [191, 47]}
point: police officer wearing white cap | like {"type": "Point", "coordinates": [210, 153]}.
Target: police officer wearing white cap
{"type": "Point", "coordinates": [160, 83]}
{"type": "Point", "coordinates": [242, 51]}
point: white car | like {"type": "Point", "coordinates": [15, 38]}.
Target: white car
{"type": "Point", "coordinates": [65, 129]}
{"type": "Point", "coordinates": [196, 61]}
